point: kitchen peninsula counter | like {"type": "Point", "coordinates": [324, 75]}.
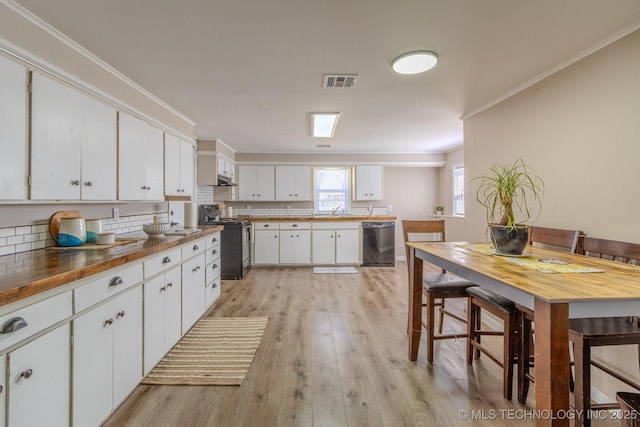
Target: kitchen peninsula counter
{"type": "Point", "coordinates": [31, 273]}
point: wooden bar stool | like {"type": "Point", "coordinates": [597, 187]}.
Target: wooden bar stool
{"type": "Point", "coordinates": [504, 309]}
{"type": "Point", "coordinates": [436, 287]}
{"type": "Point", "coordinates": [602, 331]}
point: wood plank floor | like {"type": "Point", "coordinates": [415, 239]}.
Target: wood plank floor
{"type": "Point", "coordinates": [334, 353]}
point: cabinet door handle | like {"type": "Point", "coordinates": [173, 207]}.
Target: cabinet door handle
{"type": "Point", "coordinates": [195, 247]}
{"type": "Point", "coordinates": [213, 252]}
{"type": "Point", "coordinates": [116, 281]}
{"type": "Point", "coordinates": [214, 240]}
{"type": "Point", "coordinates": [13, 325]}
{"type": "Point", "coordinates": [26, 374]}
{"type": "Point", "coordinates": [1, 389]}
{"type": "Point", "coordinates": [193, 270]}
{"type": "Point", "coordinates": [120, 314]}
{"type": "Point", "coordinates": [75, 182]}
{"type": "Point", "coordinates": [166, 260]}
{"type": "Point", "coordinates": [162, 289]}
{"type": "Point", "coordinates": [88, 184]}
{"type": "Point", "coordinates": [108, 322]}
{"type": "Point", "coordinates": [214, 266]}
{"type": "Point", "coordinates": [215, 285]}
{"type": "Point", "coordinates": [170, 284]}
{"type": "Point", "coordinates": [144, 187]}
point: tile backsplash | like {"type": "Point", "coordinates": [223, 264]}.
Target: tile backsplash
{"type": "Point", "coordinates": [30, 237]}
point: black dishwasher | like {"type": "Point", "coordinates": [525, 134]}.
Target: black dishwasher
{"type": "Point", "coordinates": [379, 243]}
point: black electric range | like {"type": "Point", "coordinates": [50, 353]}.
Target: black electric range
{"type": "Point", "coordinates": [235, 243]}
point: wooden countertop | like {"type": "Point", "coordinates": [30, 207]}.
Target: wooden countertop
{"type": "Point", "coordinates": [317, 218]}
{"type": "Point", "coordinates": [29, 273]}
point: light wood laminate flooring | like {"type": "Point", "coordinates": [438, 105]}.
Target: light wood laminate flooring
{"type": "Point", "coordinates": [334, 354]}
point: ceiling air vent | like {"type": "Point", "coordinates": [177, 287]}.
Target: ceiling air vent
{"type": "Point", "coordinates": [340, 80]}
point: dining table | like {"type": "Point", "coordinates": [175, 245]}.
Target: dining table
{"type": "Point", "coordinates": [556, 285]}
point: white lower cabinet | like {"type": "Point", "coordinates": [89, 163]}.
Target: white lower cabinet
{"type": "Point", "coordinates": [295, 243]}
{"type": "Point", "coordinates": [336, 243]}
{"type": "Point", "coordinates": [212, 274]}
{"type": "Point", "coordinates": [162, 316]}
{"type": "Point", "coordinates": [107, 356]}
{"type": "Point", "coordinates": [3, 390]}
{"type": "Point", "coordinates": [266, 243]}
{"type": "Point", "coordinates": [193, 291]}
{"type": "Point", "coordinates": [39, 381]}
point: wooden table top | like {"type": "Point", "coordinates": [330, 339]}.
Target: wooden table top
{"type": "Point", "coordinates": [617, 281]}
{"type": "Point", "coordinates": [29, 273]}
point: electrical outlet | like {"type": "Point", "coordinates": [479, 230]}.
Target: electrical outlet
{"type": "Point", "coordinates": [248, 207]}
{"type": "Point", "coordinates": [116, 213]}
{"type": "Point", "coordinates": [389, 208]}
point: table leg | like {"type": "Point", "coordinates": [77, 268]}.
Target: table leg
{"type": "Point", "coordinates": [415, 303]}
{"type": "Point", "coordinates": [551, 363]}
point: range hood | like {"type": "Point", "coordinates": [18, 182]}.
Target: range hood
{"type": "Point", "coordinates": [224, 181]}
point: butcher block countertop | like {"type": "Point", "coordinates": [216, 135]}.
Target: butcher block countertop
{"type": "Point", "coordinates": [318, 218]}
{"type": "Point", "coordinates": [30, 273]}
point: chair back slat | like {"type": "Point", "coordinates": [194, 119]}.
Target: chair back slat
{"type": "Point", "coordinates": [556, 238]}
{"type": "Point", "coordinates": [625, 252]}
{"type": "Point", "coordinates": [435, 227]}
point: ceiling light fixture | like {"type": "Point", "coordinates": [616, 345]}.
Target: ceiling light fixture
{"type": "Point", "coordinates": [323, 125]}
{"type": "Point", "coordinates": [415, 62]}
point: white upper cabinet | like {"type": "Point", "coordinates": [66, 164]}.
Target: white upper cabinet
{"type": "Point", "coordinates": [256, 182]}
{"type": "Point", "coordinates": [293, 183]}
{"type": "Point", "coordinates": [13, 139]}
{"type": "Point", "coordinates": [140, 160]}
{"type": "Point", "coordinates": [368, 182]}
{"type": "Point", "coordinates": [178, 166]}
{"type": "Point", "coordinates": [73, 144]}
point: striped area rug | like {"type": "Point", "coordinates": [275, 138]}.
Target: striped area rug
{"type": "Point", "coordinates": [216, 351]}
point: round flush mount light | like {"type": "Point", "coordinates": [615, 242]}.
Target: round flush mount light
{"type": "Point", "coordinates": [415, 62]}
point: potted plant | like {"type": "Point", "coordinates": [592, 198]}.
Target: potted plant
{"type": "Point", "coordinates": [439, 210]}
{"type": "Point", "coordinates": [507, 190]}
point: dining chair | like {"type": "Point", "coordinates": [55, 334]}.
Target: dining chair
{"type": "Point", "coordinates": [551, 238]}
{"type": "Point", "coordinates": [630, 406]}
{"type": "Point", "coordinates": [586, 333]}
{"type": "Point", "coordinates": [436, 287]}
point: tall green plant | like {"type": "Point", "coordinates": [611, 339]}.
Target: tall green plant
{"type": "Point", "coordinates": [507, 188]}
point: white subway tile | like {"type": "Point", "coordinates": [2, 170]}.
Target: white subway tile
{"type": "Point", "coordinates": [15, 240]}
{"type": "Point", "coordinates": [6, 232]}
{"type": "Point", "coordinates": [7, 250]}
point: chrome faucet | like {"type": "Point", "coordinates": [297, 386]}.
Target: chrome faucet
{"type": "Point", "coordinates": [335, 210]}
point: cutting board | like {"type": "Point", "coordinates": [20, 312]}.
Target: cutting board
{"type": "Point", "coordinates": [54, 221]}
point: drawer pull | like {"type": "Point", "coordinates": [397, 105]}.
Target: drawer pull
{"type": "Point", "coordinates": [214, 266]}
{"type": "Point", "coordinates": [26, 374]}
{"type": "Point", "coordinates": [1, 389]}
{"type": "Point", "coordinates": [195, 247]}
{"type": "Point", "coordinates": [194, 269]}
{"type": "Point", "coordinates": [108, 322]}
{"type": "Point", "coordinates": [213, 252]}
{"type": "Point", "coordinates": [166, 260]}
{"type": "Point", "coordinates": [120, 314]}
{"type": "Point", "coordinates": [214, 240]}
{"type": "Point", "coordinates": [215, 285]}
{"type": "Point", "coordinates": [13, 325]}
{"type": "Point", "coordinates": [294, 225]}
{"type": "Point", "coordinates": [116, 281]}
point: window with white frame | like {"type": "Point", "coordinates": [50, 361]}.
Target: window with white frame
{"type": "Point", "coordinates": [458, 190]}
{"type": "Point", "coordinates": [331, 190]}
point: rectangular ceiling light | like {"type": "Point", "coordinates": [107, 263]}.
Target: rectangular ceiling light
{"type": "Point", "coordinates": [323, 125]}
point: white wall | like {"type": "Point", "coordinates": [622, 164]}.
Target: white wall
{"type": "Point", "coordinates": [580, 130]}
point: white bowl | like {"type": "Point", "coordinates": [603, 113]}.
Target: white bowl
{"type": "Point", "coordinates": [106, 238]}
{"type": "Point", "coordinates": [155, 230]}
